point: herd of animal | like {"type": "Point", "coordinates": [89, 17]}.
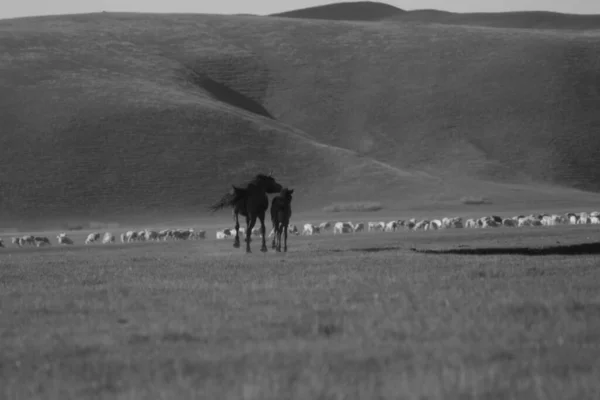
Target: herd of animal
{"type": "Point", "coordinates": [582, 218]}
{"type": "Point", "coordinates": [108, 237]}
{"type": "Point", "coordinates": [491, 221]}
{"type": "Point", "coordinates": [252, 203]}
{"type": "Point", "coordinates": [309, 229]}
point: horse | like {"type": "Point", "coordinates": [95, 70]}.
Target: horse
{"type": "Point", "coordinates": [250, 202]}
{"type": "Point", "coordinates": [281, 211]}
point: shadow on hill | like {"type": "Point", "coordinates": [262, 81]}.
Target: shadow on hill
{"type": "Point", "coordinates": [345, 11]}
{"type": "Point", "coordinates": [225, 94]}
{"type": "Point", "coordinates": [567, 250]}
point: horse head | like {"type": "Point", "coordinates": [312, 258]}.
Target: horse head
{"type": "Point", "coordinates": [287, 194]}
{"type": "Point", "coordinates": [268, 183]}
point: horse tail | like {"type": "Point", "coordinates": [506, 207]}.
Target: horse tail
{"type": "Point", "coordinates": [228, 200]}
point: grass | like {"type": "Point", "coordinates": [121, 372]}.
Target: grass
{"type": "Point", "coordinates": [139, 118]}
{"type": "Point", "coordinates": [358, 316]}
{"type": "Point", "coordinates": [354, 207]}
{"type": "Point", "coordinates": [160, 114]}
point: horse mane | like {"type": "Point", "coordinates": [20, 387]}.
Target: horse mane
{"type": "Point", "coordinates": [259, 177]}
{"type": "Point", "coordinates": [238, 193]}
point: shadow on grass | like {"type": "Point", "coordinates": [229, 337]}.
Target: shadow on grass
{"type": "Point", "coordinates": [367, 249]}
{"type": "Point", "coordinates": [567, 250]}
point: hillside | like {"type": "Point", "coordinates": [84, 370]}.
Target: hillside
{"type": "Point", "coordinates": [115, 114]}
{"type": "Point", "coordinates": [371, 11]}
{"type": "Point", "coordinates": [520, 20]}
{"type": "Point", "coordinates": [346, 11]}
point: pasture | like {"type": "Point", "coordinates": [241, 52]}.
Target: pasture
{"type": "Point", "coordinates": [357, 316]}
{"type": "Point", "coordinates": [367, 111]}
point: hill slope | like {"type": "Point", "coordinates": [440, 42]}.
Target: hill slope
{"type": "Point", "coordinates": [346, 11]}
{"type": "Point", "coordinates": [121, 114]}
{"type": "Point", "coordinates": [376, 11]}
{"type": "Point", "coordinates": [518, 19]}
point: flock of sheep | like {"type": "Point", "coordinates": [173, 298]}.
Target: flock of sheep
{"type": "Point", "coordinates": [337, 227]}
{"type": "Point", "coordinates": [492, 221]}
{"type": "Point", "coordinates": [108, 237]}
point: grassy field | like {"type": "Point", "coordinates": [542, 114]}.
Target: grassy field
{"type": "Point", "coordinates": [354, 316]}
{"type": "Point", "coordinates": [370, 113]}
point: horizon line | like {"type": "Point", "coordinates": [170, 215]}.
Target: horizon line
{"type": "Point", "coordinates": [276, 14]}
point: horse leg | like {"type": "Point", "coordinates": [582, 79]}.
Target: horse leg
{"type": "Point", "coordinates": [285, 234]}
{"type": "Point", "coordinates": [278, 236]}
{"type": "Point", "coordinates": [261, 217]}
{"type": "Point", "coordinates": [250, 221]}
{"type": "Point", "coordinates": [273, 244]}
{"type": "Point", "coordinates": [236, 241]}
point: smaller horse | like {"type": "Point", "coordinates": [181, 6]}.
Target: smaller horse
{"type": "Point", "coordinates": [281, 212]}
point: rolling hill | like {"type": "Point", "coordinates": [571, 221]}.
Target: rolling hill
{"type": "Point", "coordinates": [371, 11]}
{"type": "Point", "coordinates": [520, 19]}
{"type": "Point", "coordinates": [123, 114]}
{"type": "Point", "coordinates": [346, 11]}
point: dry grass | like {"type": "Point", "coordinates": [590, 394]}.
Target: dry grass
{"type": "Point", "coordinates": [153, 113]}
{"type": "Point", "coordinates": [354, 316]}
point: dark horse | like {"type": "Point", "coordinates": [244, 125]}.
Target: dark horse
{"type": "Point", "coordinates": [281, 212]}
{"type": "Point", "coordinates": [251, 202]}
